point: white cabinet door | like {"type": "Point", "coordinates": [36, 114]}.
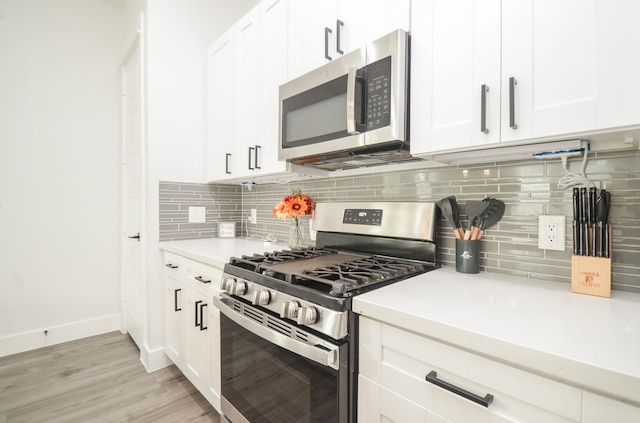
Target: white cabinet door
{"type": "Point", "coordinates": [221, 152]}
{"type": "Point", "coordinates": [199, 339]}
{"type": "Point", "coordinates": [377, 404]}
{"type": "Point", "coordinates": [550, 48]}
{"type": "Point", "coordinates": [364, 21]}
{"type": "Point", "coordinates": [175, 321]}
{"type": "Point", "coordinates": [455, 55]}
{"type": "Point", "coordinates": [599, 409]}
{"type": "Point", "coordinates": [247, 95]}
{"type": "Point", "coordinates": [311, 34]}
{"type": "Point", "coordinates": [273, 57]}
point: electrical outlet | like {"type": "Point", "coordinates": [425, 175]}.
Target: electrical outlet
{"type": "Point", "coordinates": [254, 216]}
{"type": "Point", "coordinates": [551, 232]}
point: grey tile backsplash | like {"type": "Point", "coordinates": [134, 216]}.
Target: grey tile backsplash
{"type": "Point", "coordinates": [528, 188]}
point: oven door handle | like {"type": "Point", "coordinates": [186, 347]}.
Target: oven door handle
{"type": "Point", "coordinates": [320, 354]}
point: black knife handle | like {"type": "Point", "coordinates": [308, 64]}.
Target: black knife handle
{"type": "Point", "coordinates": [583, 205]}
{"type": "Point", "coordinates": [594, 239]}
{"type": "Point", "coordinates": [576, 238]}
{"type": "Point", "coordinates": [576, 204]}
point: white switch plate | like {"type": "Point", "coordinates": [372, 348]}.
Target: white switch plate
{"type": "Point", "coordinates": [197, 214]}
{"type": "Point", "coordinates": [551, 232]}
{"type": "Point", "coordinates": [254, 216]}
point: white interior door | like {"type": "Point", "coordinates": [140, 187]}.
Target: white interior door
{"type": "Point", "coordinates": [132, 195]}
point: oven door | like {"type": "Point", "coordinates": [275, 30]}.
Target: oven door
{"type": "Point", "coordinates": [274, 372]}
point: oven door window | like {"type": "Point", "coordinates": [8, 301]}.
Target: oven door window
{"type": "Point", "coordinates": [267, 383]}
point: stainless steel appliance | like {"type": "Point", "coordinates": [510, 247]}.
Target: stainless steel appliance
{"type": "Point", "coordinates": [351, 112]}
{"type": "Point", "coordinates": [288, 335]}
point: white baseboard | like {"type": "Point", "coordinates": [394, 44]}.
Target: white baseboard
{"type": "Point", "coordinates": [153, 360]}
{"type": "Point", "coordinates": [32, 340]}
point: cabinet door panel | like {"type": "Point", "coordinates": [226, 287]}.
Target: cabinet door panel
{"type": "Point", "coordinates": [455, 51]}
{"type": "Point", "coordinates": [377, 404]}
{"type": "Point", "coordinates": [247, 91]}
{"type": "Point", "coordinates": [221, 108]}
{"type": "Point", "coordinates": [274, 52]}
{"type": "Point", "coordinates": [618, 63]}
{"type": "Point", "coordinates": [550, 48]}
{"type": "Point", "coordinates": [175, 320]}
{"type": "Point", "coordinates": [598, 409]}
{"type": "Point", "coordinates": [307, 22]}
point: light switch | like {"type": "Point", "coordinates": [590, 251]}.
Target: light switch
{"type": "Point", "coordinates": [197, 214]}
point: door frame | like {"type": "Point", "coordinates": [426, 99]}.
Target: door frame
{"type": "Point", "coordinates": [136, 46]}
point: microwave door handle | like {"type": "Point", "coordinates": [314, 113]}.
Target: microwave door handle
{"type": "Point", "coordinates": [351, 101]}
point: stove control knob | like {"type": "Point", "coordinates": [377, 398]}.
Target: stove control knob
{"type": "Point", "coordinates": [238, 288]}
{"type": "Point", "coordinates": [261, 297]}
{"type": "Point", "coordinates": [227, 284]}
{"type": "Point", "coordinates": [307, 315]}
{"type": "Point", "coordinates": [290, 309]}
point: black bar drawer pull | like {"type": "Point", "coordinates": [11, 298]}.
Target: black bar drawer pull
{"type": "Point", "coordinates": [203, 280]}
{"type": "Point", "coordinates": [202, 326]}
{"type": "Point", "coordinates": [339, 25]}
{"type": "Point", "coordinates": [432, 377]}
{"type": "Point", "coordinates": [256, 164]}
{"type": "Point", "coordinates": [175, 299]}
{"type": "Point", "coordinates": [171, 266]}
{"type": "Point", "coordinates": [512, 103]}
{"type": "Point", "coordinates": [250, 165]}
{"type": "Point", "coordinates": [196, 317]}
{"type": "Point", "coordinates": [226, 164]}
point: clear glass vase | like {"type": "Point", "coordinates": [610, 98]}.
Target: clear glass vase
{"type": "Point", "coordinates": [296, 241]}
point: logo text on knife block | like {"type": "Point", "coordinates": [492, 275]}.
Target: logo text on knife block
{"type": "Point", "coordinates": [589, 278]}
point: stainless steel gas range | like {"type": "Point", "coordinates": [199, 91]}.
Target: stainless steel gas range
{"type": "Point", "coordinates": [288, 335]}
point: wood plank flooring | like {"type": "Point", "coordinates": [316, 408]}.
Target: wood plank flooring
{"type": "Point", "coordinates": [96, 379]}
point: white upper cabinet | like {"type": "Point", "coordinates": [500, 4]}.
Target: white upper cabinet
{"type": "Point", "coordinates": [455, 55]}
{"type": "Point", "coordinates": [321, 31]}
{"type": "Point", "coordinates": [222, 153]}
{"type": "Point", "coordinates": [247, 88]}
{"type": "Point", "coordinates": [273, 57]}
{"type": "Point", "coordinates": [553, 68]}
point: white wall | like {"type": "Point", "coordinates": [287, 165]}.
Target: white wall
{"type": "Point", "coordinates": [59, 170]}
{"type": "Point", "coordinates": [177, 37]}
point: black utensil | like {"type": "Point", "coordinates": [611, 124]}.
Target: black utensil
{"type": "Point", "coordinates": [447, 207]}
{"type": "Point", "coordinates": [474, 210]}
{"type": "Point", "coordinates": [593, 232]}
{"type": "Point", "coordinates": [497, 211]}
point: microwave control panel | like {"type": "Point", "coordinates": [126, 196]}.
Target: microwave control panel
{"type": "Point", "coordinates": [378, 94]}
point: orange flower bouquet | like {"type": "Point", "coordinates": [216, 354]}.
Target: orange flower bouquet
{"type": "Point", "coordinates": [295, 205]}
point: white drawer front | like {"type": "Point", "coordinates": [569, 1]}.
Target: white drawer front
{"type": "Point", "coordinates": [400, 360]}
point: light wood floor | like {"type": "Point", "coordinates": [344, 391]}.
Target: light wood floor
{"type": "Point", "coordinates": [96, 379]}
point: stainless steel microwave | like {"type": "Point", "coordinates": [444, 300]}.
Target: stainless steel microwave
{"type": "Point", "coordinates": [350, 112]}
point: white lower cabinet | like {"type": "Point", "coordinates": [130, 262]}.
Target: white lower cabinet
{"type": "Point", "coordinates": [192, 323]}
{"type": "Point", "coordinates": [599, 409]}
{"type": "Point", "coordinates": [394, 364]}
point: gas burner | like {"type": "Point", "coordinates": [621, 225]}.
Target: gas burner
{"type": "Point", "coordinates": [289, 255]}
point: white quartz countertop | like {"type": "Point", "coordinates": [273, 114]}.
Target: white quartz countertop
{"type": "Point", "coordinates": [591, 342]}
{"type": "Point", "coordinates": [217, 251]}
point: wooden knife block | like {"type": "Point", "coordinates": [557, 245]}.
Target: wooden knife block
{"type": "Point", "coordinates": [592, 275]}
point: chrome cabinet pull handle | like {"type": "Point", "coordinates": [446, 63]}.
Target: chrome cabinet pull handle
{"type": "Point", "coordinates": [483, 108]}
{"type": "Point", "coordinates": [512, 103]}
{"type": "Point", "coordinates": [432, 377]}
